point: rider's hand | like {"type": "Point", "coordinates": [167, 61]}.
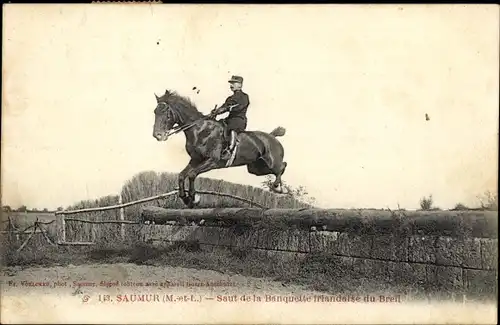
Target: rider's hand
{"type": "Point", "coordinates": [213, 113]}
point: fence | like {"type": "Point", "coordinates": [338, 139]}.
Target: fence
{"type": "Point", "coordinates": [447, 249]}
{"type": "Point", "coordinates": [61, 216]}
{"type": "Point", "coordinates": [36, 228]}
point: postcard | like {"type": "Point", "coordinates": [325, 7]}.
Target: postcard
{"type": "Point", "coordinates": [246, 163]}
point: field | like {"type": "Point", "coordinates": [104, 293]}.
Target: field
{"type": "Point", "coordinates": [25, 219]}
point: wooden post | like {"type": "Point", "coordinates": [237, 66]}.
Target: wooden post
{"type": "Point", "coordinates": [122, 218]}
{"type": "Point", "coordinates": [61, 227]}
{"type": "Point", "coordinates": [10, 229]}
{"type": "Point", "coordinates": [27, 239]}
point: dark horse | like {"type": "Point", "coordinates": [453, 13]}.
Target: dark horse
{"type": "Point", "coordinates": [261, 152]}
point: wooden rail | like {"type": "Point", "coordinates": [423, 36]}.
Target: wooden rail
{"type": "Point", "coordinates": [153, 198]}
{"type": "Point", "coordinates": [61, 215]}
{"type": "Point", "coordinates": [75, 243]}
{"type": "Point", "coordinates": [103, 221]}
{"type": "Point", "coordinates": [117, 206]}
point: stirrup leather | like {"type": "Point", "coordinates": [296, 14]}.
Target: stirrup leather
{"type": "Point", "coordinates": [233, 147]}
{"type": "Point", "coordinates": [233, 140]}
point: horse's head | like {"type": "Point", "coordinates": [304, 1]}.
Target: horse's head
{"type": "Point", "coordinates": [165, 117]}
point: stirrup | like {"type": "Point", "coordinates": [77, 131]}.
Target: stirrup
{"type": "Point", "coordinates": [226, 154]}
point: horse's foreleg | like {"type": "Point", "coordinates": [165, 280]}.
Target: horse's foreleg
{"type": "Point", "coordinates": [191, 199]}
{"type": "Point", "coordinates": [203, 167]}
{"type": "Point", "coordinates": [182, 182]}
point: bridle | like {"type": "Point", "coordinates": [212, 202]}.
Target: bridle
{"type": "Point", "coordinates": [187, 126]}
{"type": "Point", "coordinates": [179, 128]}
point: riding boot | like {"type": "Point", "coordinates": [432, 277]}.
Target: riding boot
{"type": "Point", "coordinates": [226, 151]}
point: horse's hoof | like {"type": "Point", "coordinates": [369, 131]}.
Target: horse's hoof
{"type": "Point", "coordinates": [186, 200]}
{"type": "Point", "coordinates": [194, 199]}
{"type": "Point", "coordinates": [182, 195]}
{"type": "Point", "coordinates": [277, 188]}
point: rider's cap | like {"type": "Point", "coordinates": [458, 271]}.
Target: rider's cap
{"type": "Point", "coordinates": [236, 79]}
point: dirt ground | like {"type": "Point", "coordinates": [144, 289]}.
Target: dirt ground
{"type": "Point", "coordinates": [119, 293]}
{"type": "Point", "coordinates": [134, 279]}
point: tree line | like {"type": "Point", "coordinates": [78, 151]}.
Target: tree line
{"type": "Point", "coordinates": [23, 208]}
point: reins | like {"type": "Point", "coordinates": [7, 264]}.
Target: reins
{"type": "Point", "coordinates": [185, 127]}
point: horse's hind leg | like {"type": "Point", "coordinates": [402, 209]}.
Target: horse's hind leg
{"type": "Point", "coordinates": [277, 185]}
{"type": "Point", "coordinates": [259, 168]}
{"type": "Point", "coordinates": [276, 167]}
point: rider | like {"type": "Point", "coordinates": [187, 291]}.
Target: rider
{"type": "Point", "coordinates": [236, 121]}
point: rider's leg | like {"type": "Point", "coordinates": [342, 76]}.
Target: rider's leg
{"type": "Point", "coordinates": [233, 126]}
{"type": "Point", "coordinates": [233, 140]}
{"type": "Point", "coordinates": [227, 131]}
{"type": "Point", "coordinates": [237, 127]}
{"type": "Point", "coordinates": [226, 143]}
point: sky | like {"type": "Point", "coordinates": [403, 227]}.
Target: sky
{"type": "Point", "coordinates": [351, 85]}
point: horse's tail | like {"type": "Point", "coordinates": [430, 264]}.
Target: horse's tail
{"type": "Point", "coordinates": [278, 132]}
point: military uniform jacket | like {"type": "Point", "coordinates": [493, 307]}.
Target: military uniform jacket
{"type": "Point", "coordinates": [240, 111]}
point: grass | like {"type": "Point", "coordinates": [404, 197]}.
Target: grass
{"type": "Point", "coordinates": [320, 272]}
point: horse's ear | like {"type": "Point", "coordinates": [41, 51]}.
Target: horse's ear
{"type": "Point", "coordinates": [157, 98]}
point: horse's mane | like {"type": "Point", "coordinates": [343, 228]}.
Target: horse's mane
{"type": "Point", "coordinates": [182, 104]}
